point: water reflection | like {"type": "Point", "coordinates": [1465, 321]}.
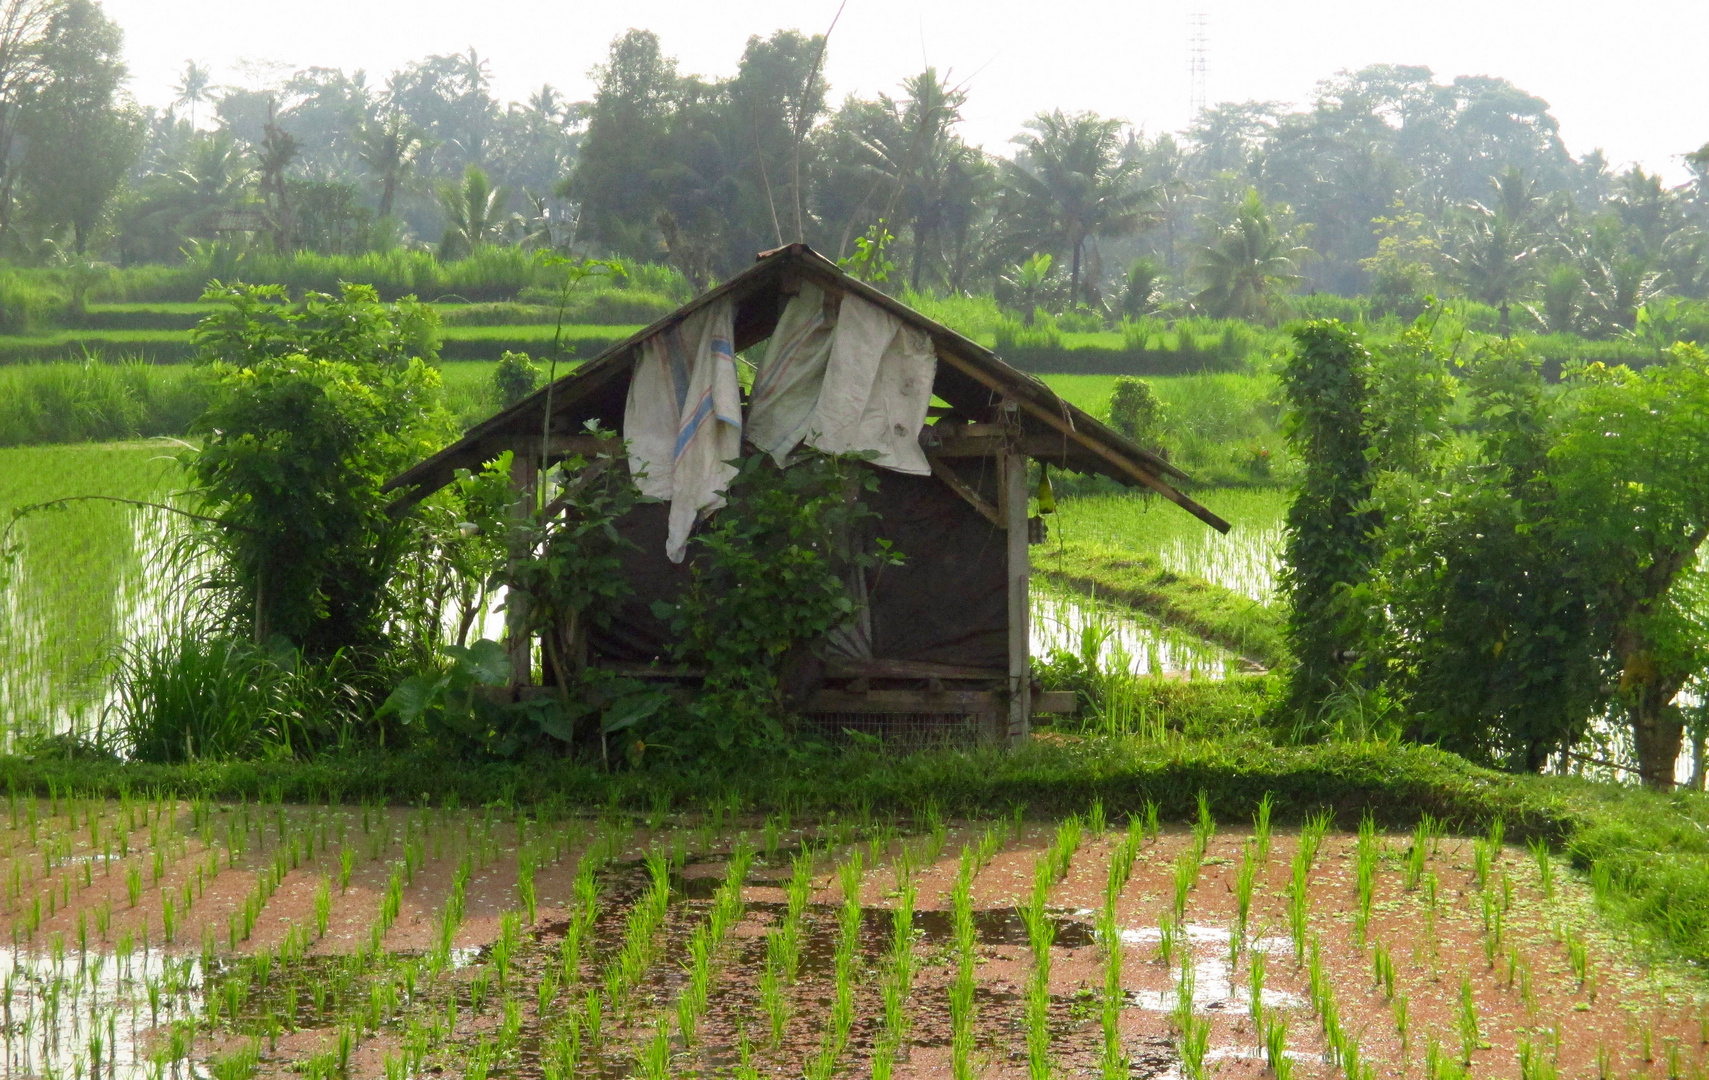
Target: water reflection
{"type": "Point", "coordinates": [1120, 640]}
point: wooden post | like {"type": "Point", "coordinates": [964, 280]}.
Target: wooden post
{"type": "Point", "coordinates": [1020, 608]}
{"type": "Point", "coordinates": [523, 470]}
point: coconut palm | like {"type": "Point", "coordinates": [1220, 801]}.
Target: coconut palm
{"type": "Point", "coordinates": [1497, 245]}
{"type": "Point", "coordinates": [1246, 264]}
{"type": "Point", "coordinates": [193, 88]}
{"type": "Point", "coordinates": [1070, 183]}
{"type": "Point", "coordinates": [389, 148]}
{"type": "Point", "coordinates": [473, 213]}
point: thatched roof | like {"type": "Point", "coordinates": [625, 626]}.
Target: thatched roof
{"type": "Point", "coordinates": [970, 378]}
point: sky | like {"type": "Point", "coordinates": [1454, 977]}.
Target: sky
{"type": "Point", "coordinates": [1626, 80]}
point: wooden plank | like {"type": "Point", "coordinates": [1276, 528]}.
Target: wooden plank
{"type": "Point", "coordinates": [942, 471]}
{"type": "Point", "coordinates": [839, 667]}
{"type": "Point", "coordinates": [1020, 610]}
{"type": "Point", "coordinates": [1054, 701]}
{"type": "Point", "coordinates": [905, 701]}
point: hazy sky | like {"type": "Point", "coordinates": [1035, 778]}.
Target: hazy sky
{"type": "Point", "coordinates": [1627, 78]}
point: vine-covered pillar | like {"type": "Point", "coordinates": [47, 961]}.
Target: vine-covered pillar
{"type": "Point", "coordinates": [519, 643]}
{"type": "Point", "coordinates": [1019, 579]}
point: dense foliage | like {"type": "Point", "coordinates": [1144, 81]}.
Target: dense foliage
{"type": "Point", "coordinates": [772, 578]}
{"type": "Point", "coordinates": [1497, 580]}
{"type": "Point", "coordinates": [1330, 524]}
{"type": "Point", "coordinates": [1390, 183]}
{"type": "Point", "coordinates": [314, 407]}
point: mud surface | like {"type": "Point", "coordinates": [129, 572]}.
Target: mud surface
{"type": "Point", "coordinates": [152, 938]}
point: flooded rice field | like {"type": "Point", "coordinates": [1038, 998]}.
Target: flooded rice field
{"type": "Point", "coordinates": [158, 938]}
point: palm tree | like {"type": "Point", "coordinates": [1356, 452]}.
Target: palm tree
{"type": "Point", "coordinates": [472, 213]}
{"type": "Point", "coordinates": [389, 148]}
{"type": "Point", "coordinates": [1070, 183]}
{"type": "Point", "coordinates": [193, 88]}
{"type": "Point", "coordinates": [1496, 252]}
{"type": "Point", "coordinates": [1246, 264]}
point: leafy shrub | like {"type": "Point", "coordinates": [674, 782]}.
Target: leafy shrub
{"type": "Point", "coordinates": [314, 407]}
{"type": "Point", "coordinates": [195, 696]}
{"type": "Point", "coordinates": [769, 579]}
{"type": "Point", "coordinates": [515, 377]}
{"type": "Point", "coordinates": [1135, 411]}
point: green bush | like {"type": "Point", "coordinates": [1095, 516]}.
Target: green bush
{"type": "Point", "coordinates": [514, 378]}
{"type": "Point", "coordinates": [1136, 412]}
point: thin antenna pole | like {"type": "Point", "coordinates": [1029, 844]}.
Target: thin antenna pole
{"type": "Point", "coordinates": [1198, 51]}
{"type": "Point", "coordinates": [803, 120]}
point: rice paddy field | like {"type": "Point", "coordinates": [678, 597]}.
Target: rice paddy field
{"type": "Point", "coordinates": [1246, 560]}
{"type": "Point", "coordinates": [82, 586]}
{"type": "Point", "coordinates": [152, 937]}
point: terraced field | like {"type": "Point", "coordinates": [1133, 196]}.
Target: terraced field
{"type": "Point", "coordinates": [155, 937]}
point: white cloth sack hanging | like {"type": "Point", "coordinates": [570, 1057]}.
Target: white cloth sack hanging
{"type": "Point", "coordinates": [786, 386]}
{"type": "Point", "coordinates": [683, 419]}
{"type": "Point", "coordinates": [872, 395]}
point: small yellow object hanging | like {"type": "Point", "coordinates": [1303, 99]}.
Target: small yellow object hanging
{"type": "Point", "coordinates": [1046, 496]}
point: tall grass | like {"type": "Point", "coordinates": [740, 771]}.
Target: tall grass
{"type": "Point", "coordinates": [488, 274]}
{"type": "Point", "coordinates": [97, 401]}
{"type": "Point", "coordinates": [191, 696]}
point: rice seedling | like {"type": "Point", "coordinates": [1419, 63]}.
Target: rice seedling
{"type": "Point", "coordinates": [1646, 1041]}
{"type": "Point", "coordinates": [1578, 957]}
{"type": "Point", "coordinates": [1204, 828]}
{"type": "Point", "coordinates": [1261, 828]}
{"type": "Point", "coordinates": [1481, 860]}
{"type": "Point", "coordinates": [1255, 988]}
{"type": "Point", "coordinates": [1113, 1062]}
{"type": "Point", "coordinates": [1152, 827]}
{"type": "Point", "coordinates": [1534, 1064]}
{"type": "Point", "coordinates": [1545, 867]}
{"type": "Point", "coordinates": [624, 972]}
{"type": "Point", "coordinates": [1317, 985]}
{"type": "Point", "coordinates": [1192, 1030]}
{"type": "Point", "coordinates": [1095, 818]}
{"type": "Point", "coordinates": [1275, 1036]}
{"type": "Point", "coordinates": [1400, 1006]}
{"type": "Point", "coordinates": [1186, 878]}
{"type": "Point", "coordinates": [1466, 1023]}
{"type": "Point", "coordinates": [1121, 865]}
{"type": "Point", "coordinates": [1365, 877]}
{"type": "Point", "coordinates": [1382, 969]}
{"type": "Point", "coordinates": [961, 989]}
{"type": "Point", "coordinates": [1169, 938]}
{"type": "Point", "coordinates": [1244, 879]}
{"type": "Point", "coordinates": [1311, 837]}
{"type": "Point", "coordinates": [1299, 900]}
{"type": "Point", "coordinates": [899, 978]}
{"type": "Point", "coordinates": [1067, 842]}
{"type": "Point", "coordinates": [1427, 940]}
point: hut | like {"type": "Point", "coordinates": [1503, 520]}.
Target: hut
{"type": "Point", "coordinates": [942, 645]}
